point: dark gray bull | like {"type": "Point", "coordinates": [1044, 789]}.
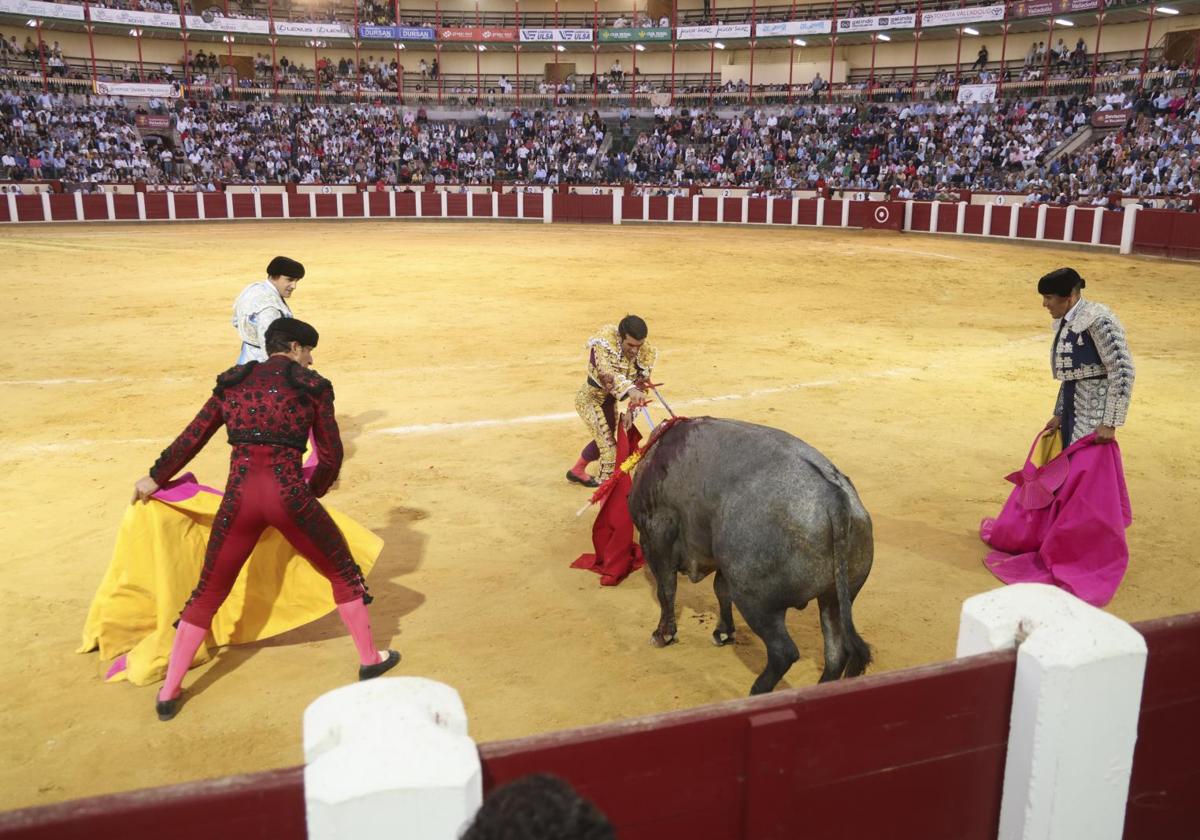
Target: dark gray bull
{"type": "Point", "coordinates": [773, 518]}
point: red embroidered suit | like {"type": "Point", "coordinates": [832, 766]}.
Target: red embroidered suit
{"type": "Point", "coordinates": [268, 408]}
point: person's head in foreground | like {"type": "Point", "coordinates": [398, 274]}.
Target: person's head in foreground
{"type": "Point", "coordinates": [292, 338]}
{"type": "Point", "coordinates": [284, 273]}
{"type": "Point", "coordinates": [633, 332]}
{"type": "Point", "coordinates": [1060, 290]}
{"type": "Point", "coordinates": [538, 807]}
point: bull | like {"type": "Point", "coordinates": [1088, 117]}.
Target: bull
{"type": "Point", "coordinates": [776, 522]}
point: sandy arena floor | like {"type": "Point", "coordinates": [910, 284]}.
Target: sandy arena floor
{"type": "Point", "coordinates": [917, 364]}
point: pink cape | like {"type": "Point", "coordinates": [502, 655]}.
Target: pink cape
{"type": "Point", "coordinates": [1064, 522]}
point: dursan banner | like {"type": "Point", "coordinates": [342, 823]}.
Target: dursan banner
{"type": "Point", "coordinates": [137, 89]}
{"type": "Point", "coordinates": [793, 27]}
{"type": "Point", "coordinates": [220, 23]}
{"type": "Point", "coordinates": [976, 94]}
{"type": "Point", "coordinates": [397, 33]}
{"type": "Point", "coordinates": [876, 23]}
{"type": "Point", "coordinates": [34, 8]}
{"type": "Point", "coordinates": [320, 30]}
{"type": "Point", "coordinates": [128, 17]}
{"type": "Point", "coordinates": [708, 33]}
{"type": "Point", "coordinates": [968, 14]}
{"type": "Point", "coordinates": [556, 35]}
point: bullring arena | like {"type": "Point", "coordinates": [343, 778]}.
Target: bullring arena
{"type": "Point", "coordinates": [893, 325]}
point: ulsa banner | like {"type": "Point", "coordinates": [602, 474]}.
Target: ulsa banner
{"type": "Point", "coordinates": [556, 35]}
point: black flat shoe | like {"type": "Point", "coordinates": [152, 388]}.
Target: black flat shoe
{"type": "Point", "coordinates": [167, 709]}
{"type": "Point", "coordinates": [591, 482]}
{"type": "Point", "coordinates": [370, 672]}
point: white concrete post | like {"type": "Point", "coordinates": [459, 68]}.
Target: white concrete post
{"type": "Point", "coordinates": [1043, 209]}
{"type": "Point", "coordinates": [745, 209]}
{"type": "Point", "coordinates": [79, 207]}
{"type": "Point", "coordinates": [258, 205]}
{"type": "Point", "coordinates": [960, 223]}
{"type": "Point", "coordinates": [228, 204]}
{"type": "Point", "coordinates": [520, 204]}
{"type": "Point", "coordinates": [987, 219]}
{"type": "Point", "coordinates": [46, 213]}
{"type": "Point", "coordinates": [390, 758]}
{"type": "Point", "coordinates": [1075, 709]}
{"type": "Point", "coordinates": [1013, 218]}
{"type": "Point", "coordinates": [908, 206]}
{"type": "Point", "coordinates": [547, 205]}
{"type": "Point", "coordinates": [1128, 227]}
{"type": "Point", "coordinates": [645, 207]}
{"type": "Point", "coordinates": [287, 204]}
{"type": "Point", "coordinates": [312, 205]}
{"type": "Point", "coordinates": [616, 198]}
{"type": "Point", "coordinates": [820, 211]}
{"type": "Point", "coordinates": [845, 212]}
{"type": "Point", "coordinates": [141, 203]}
{"type": "Point", "coordinates": [770, 210]}
{"type": "Point", "coordinates": [444, 202]}
{"type": "Point", "coordinates": [338, 200]}
{"type": "Point", "coordinates": [720, 208]}
{"type": "Point", "coordinates": [171, 205]}
{"type": "Point", "coordinates": [1097, 224]}
{"type": "Point", "coordinates": [366, 200]}
{"type": "Point", "coordinates": [12, 206]}
{"type": "Point", "coordinates": [199, 207]}
{"type": "Point", "coordinates": [417, 212]}
{"type": "Point", "coordinates": [495, 205]}
{"type": "Point", "coordinates": [1069, 224]}
{"type": "Point", "coordinates": [670, 208]}
{"type": "Point", "coordinates": [696, 207]}
{"type": "Point", "coordinates": [934, 207]}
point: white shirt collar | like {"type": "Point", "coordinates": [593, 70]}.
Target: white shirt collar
{"type": "Point", "coordinates": [1073, 311]}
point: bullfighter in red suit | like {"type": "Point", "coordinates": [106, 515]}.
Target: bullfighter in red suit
{"type": "Point", "coordinates": [268, 408]}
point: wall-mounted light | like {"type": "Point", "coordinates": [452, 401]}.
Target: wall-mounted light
{"type": "Point", "coordinates": [481, 47]}
{"type": "Point", "coordinates": [398, 46]}
{"type": "Point", "coordinates": [639, 47]}
{"type": "Point", "coordinates": [883, 37]}
{"type": "Point", "coordinates": [136, 33]}
{"type": "Point", "coordinates": [718, 45]}
{"type": "Point", "coordinates": [1166, 10]}
{"type": "Point", "coordinates": [228, 39]}
{"type": "Point", "coordinates": [560, 48]}
{"type": "Point", "coordinates": [31, 23]}
{"type": "Point", "coordinates": [800, 42]}
{"type": "Point", "coordinates": [1063, 22]}
{"type": "Point", "coordinates": [967, 30]}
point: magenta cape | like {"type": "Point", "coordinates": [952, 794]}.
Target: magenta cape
{"type": "Point", "coordinates": [1064, 522]}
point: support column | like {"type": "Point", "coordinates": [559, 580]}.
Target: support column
{"type": "Point", "coordinates": [79, 207]}
{"type": "Point", "coordinates": [1097, 224]}
{"type": "Point", "coordinates": [616, 201]}
{"type": "Point", "coordinates": [258, 205]}
{"type": "Point", "coordinates": [46, 213]}
{"type": "Point", "coordinates": [960, 223]}
{"type": "Point", "coordinates": [1075, 709]}
{"type": "Point", "coordinates": [934, 207]}
{"type": "Point", "coordinates": [170, 205]}
{"type": "Point", "coordinates": [1128, 227]}
{"type": "Point", "coordinates": [1069, 225]}
{"type": "Point", "coordinates": [820, 211]}
{"type": "Point", "coordinates": [547, 205]}
{"type": "Point", "coordinates": [141, 204]}
{"type": "Point", "coordinates": [1041, 216]}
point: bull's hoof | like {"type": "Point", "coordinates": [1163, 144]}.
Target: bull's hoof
{"type": "Point", "coordinates": [722, 638]}
{"type": "Point", "coordinates": [661, 640]}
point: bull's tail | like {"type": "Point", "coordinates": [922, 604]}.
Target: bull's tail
{"type": "Point", "coordinates": [858, 652]}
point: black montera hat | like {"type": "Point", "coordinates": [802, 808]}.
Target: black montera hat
{"type": "Point", "coordinates": [1061, 282]}
{"type": "Point", "coordinates": [292, 329]}
{"type": "Point", "coordinates": [285, 267]}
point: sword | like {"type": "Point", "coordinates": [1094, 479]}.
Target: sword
{"type": "Point", "coordinates": [661, 400]}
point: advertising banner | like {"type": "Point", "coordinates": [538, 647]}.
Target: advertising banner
{"type": "Point", "coordinates": [128, 17]}
{"type": "Point", "coordinates": [708, 33]}
{"type": "Point", "coordinates": [793, 27]}
{"type": "Point", "coordinates": [137, 89]}
{"type": "Point", "coordinates": [975, 94]}
{"type": "Point", "coordinates": [968, 14]}
{"type": "Point", "coordinates": [318, 30]}
{"type": "Point", "coordinates": [1111, 119]}
{"type": "Point", "coordinates": [153, 122]}
{"type": "Point", "coordinates": [34, 8]}
{"type": "Point", "coordinates": [477, 33]}
{"type": "Point", "coordinates": [397, 33]}
{"type": "Point", "coordinates": [220, 23]}
{"type": "Point", "coordinates": [1045, 8]}
{"type": "Point", "coordinates": [556, 35]}
{"type": "Point", "coordinates": [632, 35]}
{"type": "Point", "coordinates": [876, 23]}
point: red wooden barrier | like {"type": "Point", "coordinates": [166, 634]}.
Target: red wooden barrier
{"type": "Point", "coordinates": [186, 206]}
{"type": "Point", "coordinates": [1084, 219]}
{"type": "Point", "coordinates": [756, 211]}
{"type": "Point", "coordinates": [214, 205]}
{"type": "Point", "coordinates": [352, 205]}
{"type": "Point", "coordinates": [62, 208]}
{"type": "Point", "coordinates": [1001, 219]}
{"type": "Point", "coordinates": [708, 209]}
{"type": "Point", "coordinates": [431, 204]}
{"type": "Point", "coordinates": [914, 753]}
{"type": "Point", "coordinates": [4, 216]}
{"type": "Point", "coordinates": [732, 209]}
{"type": "Point", "coordinates": [1167, 233]}
{"type": "Point", "coordinates": [683, 208]}
{"type": "Point", "coordinates": [326, 205]}
{"type": "Point", "coordinates": [125, 206]}
{"type": "Point", "coordinates": [481, 205]}
{"type": "Point", "coordinates": [377, 203]}
{"type": "Point", "coordinates": [833, 213]}
{"type": "Point", "coordinates": [508, 205]}
{"type": "Point", "coordinates": [920, 215]}
{"type": "Point", "coordinates": [29, 208]}
{"type": "Point", "coordinates": [974, 220]}
{"type": "Point", "coordinates": [271, 205]}
{"type": "Point", "coordinates": [947, 220]}
{"type": "Point", "coordinates": [1056, 222]}
{"type": "Point", "coordinates": [456, 205]}
{"type": "Point", "coordinates": [406, 204]}
{"type": "Point", "coordinates": [781, 213]}
{"type": "Point", "coordinates": [1027, 222]}
{"type": "Point", "coordinates": [95, 207]}
{"type": "Point", "coordinates": [658, 208]}
{"type": "Point", "coordinates": [243, 205]}
{"type": "Point", "coordinates": [533, 206]}
{"type": "Point", "coordinates": [631, 208]}
{"type": "Point", "coordinates": [156, 205]}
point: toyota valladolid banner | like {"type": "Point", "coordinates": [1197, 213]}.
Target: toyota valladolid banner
{"type": "Point", "coordinates": [968, 14]}
{"type": "Point", "coordinates": [1044, 8]}
{"type": "Point", "coordinates": [556, 35]}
